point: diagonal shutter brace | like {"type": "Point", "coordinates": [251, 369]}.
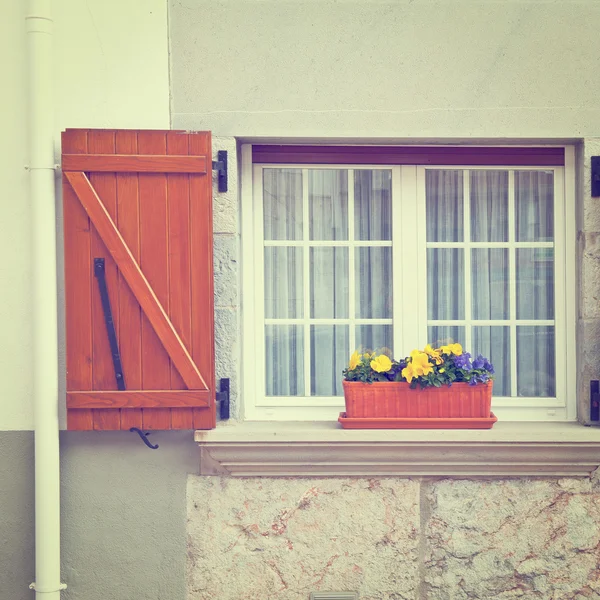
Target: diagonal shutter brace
{"type": "Point", "coordinates": [220, 166]}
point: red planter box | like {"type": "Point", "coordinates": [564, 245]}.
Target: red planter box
{"type": "Point", "coordinates": [397, 400]}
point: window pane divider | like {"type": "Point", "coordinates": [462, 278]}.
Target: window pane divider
{"type": "Point", "coordinates": [467, 255]}
{"type": "Point", "coordinates": [486, 245]}
{"type": "Point", "coordinates": [330, 243]}
{"type": "Point", "coordinates": [331, 321]}
{"type": "Point", "coordinates": [351, 266]}
{"type": "Point", "coordinates": [397, 281]}
{"type": "Point", "coordinates": [483, 322]}
{"type": "Point", "coordinates": [512, 282]}
{"type": "Point", "coordinates": [307, 284]}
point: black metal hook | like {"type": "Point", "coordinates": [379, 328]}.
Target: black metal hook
{"type": "Point", "coordinates": [144, 437]}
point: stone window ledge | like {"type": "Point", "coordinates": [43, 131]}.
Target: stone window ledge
{"type": "Point", "coordinates": [283, 449]}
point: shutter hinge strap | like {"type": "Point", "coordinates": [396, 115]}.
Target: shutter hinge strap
{"type": "Point", "coordinates": [220, 165]}
{"type": "Point", "coordinates": [100, 274]}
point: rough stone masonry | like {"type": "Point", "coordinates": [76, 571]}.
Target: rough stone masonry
{"type": "Point", "coordinates": [393, 539]}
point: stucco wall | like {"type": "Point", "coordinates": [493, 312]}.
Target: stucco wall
{"type": "Point", "coordinates": [393, 539]}
{"type": "Point", "coordinates": [392, 69]}
{"type": "Point", "coordinates": [108, 72]}
{"type": "Point", "coordinates": [123, 505]}
{"type": "Point", "coordinates": [123, 514]}
{"type": "Point", "coordinates": [17, 532]}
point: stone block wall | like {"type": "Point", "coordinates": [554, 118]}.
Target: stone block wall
{"type": "Point", "coordinates": [588, 278]}
{"type": "Point", "coordinates": [393, 539]}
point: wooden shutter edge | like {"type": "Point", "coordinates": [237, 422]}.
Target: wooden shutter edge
{"type": "Point", "coordinates": [136, 281]}
{"type": "Point", "coordinates": [139, 399]}
{"type": "Point", "coordinates": [124, 163]}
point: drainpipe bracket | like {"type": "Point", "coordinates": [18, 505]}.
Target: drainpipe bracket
{"type": "Point", "coordinates": [52, 168]}
{"type": "Point", "coordinates": [32, 586]}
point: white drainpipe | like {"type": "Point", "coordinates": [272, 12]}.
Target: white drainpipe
{"type": "Point", "coordinates": [45, 349]}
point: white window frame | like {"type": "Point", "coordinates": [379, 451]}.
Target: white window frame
{"type": "Point", "coordinates": [406, 180]}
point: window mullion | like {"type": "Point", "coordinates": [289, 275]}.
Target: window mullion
{"type": "Point", "coordinates": [512, 282]}
{"type": "Point", "coordinates": [412, 265]}
{"type": "Point", "coordinates": [306, 276]}
{"type": "Point", "coordinates": [398, 283]}
{"type": "Point", "coordinates": [467, 256]}
{"type": "Point", "coordinates": [351, 266]}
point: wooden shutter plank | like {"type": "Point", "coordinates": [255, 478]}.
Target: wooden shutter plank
{"type": "Point", "coordinates": [137, 281]}
{"type": "Point", "coordinates": [154, 250]}
{"type": "Point", "coordinates": [78, 289]}
{"type": "Point", "coordinates": [121, 163]}
{"type": "Point", "coordinates": [161, 399]}
{"type": "Point", "coordinates": [144, 216]}
{"type": "Point", "coordinates": [130, 315]}
{"type": "Point", "coordinates": [202, 275]}
{"type": "Point", "coordinates": [103, 372]}
{"type": "Point", "coordinates": [180, 292]}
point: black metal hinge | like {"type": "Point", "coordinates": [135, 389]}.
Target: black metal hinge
{"type": "Point", "coordinates": [594, 400]}
{"type": "Point", "coordinates": [222, 398]}
{"type": "Point", "coordinates": [220, 165]}
{"type": "Point", "coordinates": [595, 176]}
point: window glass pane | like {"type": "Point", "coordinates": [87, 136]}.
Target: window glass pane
{"type": "Point", "coordinates": [373, 204]}
{"type": "Point", "coordinates": [328, 204]}
{"type": "Point", "coordinates": [283, 283]}
{"type": "Point", "coordinates": [444, 203]}
{"type": "Point", "coordinates": [284, 360]}
{"type": "Point", "coordinates": [489, 283]}
{"type": "Point", "coordinates": [535, 283]}
{"type": "Point", "coordinates": [494, 344]}
{"type": "Point", "coordinates": [489, 206]}
{"type": "Point", "coordinates": [373, 267]}
{"type": "Point", "coordinates": [535, 361]}
{"type": "Point", "coordinates": [445, 283]}
{"type": "Point", "coordinates": [534, 211]}
{"type": "Point", "coordinates": [329, 283]}
{"type": "Point", "coordinates": [375, 337]}
{"type": "Point", "coordinates": [329, 345]}
{"type": "Point", "coordinates": [282, 208]}
{"type": "Point", "coordinates": [442, 335]}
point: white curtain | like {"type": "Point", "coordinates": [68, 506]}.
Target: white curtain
{"type": "Point", "coordinates": [305, 278]}
{"type": "Point", "coordinates": [330, 282]}
{"type": "Point", "coordinates": [489, 273]}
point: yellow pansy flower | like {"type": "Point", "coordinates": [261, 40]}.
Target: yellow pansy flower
{"type": "Point", "coordinates": [354, 360]}
{"type": "Point", "coordinates": [381, 364]}
{"type": "Point", "coordinates": [452, 349]}
{"type": "Point", "coordinates": [408, 373]}
{"type": "Point", "coordinates": [420, 363]}
{"type": "Point", "coordinates": [434, 354]}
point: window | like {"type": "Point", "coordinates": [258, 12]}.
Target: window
{"type": "Point", "coordinates": [340, 256]}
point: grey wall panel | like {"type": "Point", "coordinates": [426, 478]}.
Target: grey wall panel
{"type": "Point", "coordinates": [124, 515]}
{"type": "Point", "coordinates": [17, 532]}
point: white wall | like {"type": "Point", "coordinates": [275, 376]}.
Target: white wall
{"type": "Point", "coordinates": [395, 68]}
{"type": "Point", "coordinates": [111, 70]}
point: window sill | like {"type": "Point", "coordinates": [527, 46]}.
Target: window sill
{"type": "Point", "coordinates": [280, 449]}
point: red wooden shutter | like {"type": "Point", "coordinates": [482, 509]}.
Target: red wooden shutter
{"type": "Point", "coordinates": [142, 201]}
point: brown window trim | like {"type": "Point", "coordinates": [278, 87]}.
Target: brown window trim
{"type": "Point", "coordinates": [409, 155]}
